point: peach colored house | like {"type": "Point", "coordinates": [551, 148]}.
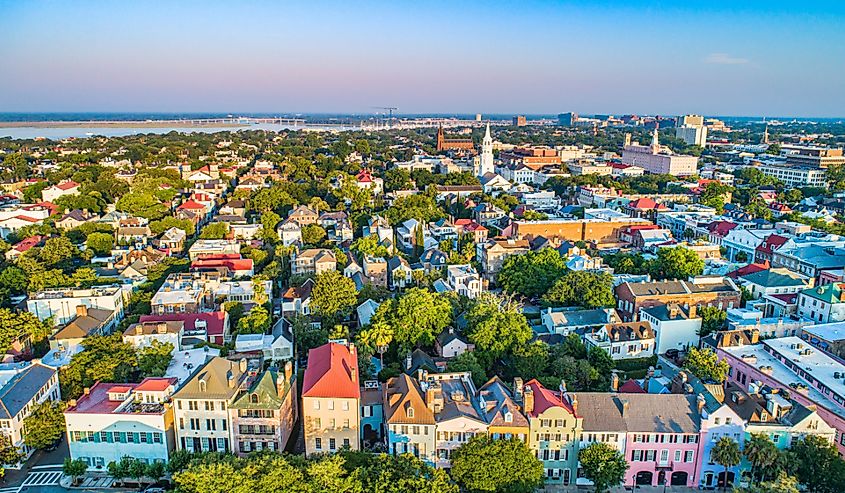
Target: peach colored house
{"type": "Point", "coordinates": [331, 399]}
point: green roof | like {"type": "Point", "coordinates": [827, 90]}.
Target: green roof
{"type": "Point", "coordinates": [775, 278]}
{"type": "Point", "coordinates": [830, 293]}
{"type": "Point", "coordinates": [264, 387]}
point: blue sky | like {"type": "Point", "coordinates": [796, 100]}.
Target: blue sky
{"type": "Point", "coordinates": [716, 58]}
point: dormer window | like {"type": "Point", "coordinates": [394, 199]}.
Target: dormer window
{"type": "Point", "coordinates": [202, 386]}
{"type": "Point", "coordinates": [253, 398]}
{"type": "Point", "coordinates": [508, 417]}
{"type": "Point", "coordinates": [409, 412]}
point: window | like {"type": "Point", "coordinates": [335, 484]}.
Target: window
{"type": "Point", "coordinates": [316, 405]}
{"type": "Point", "coordinates": [688, 456]}
{"type": "Point", "coordinates": [677, 456]}
{"type": "Point", "coordinates": [318, 443]}
{"type": "Point", "coordinates": [345, 443]}
{"type": "Point", "coordinates": [332, 443]}
{"type": "Point", "coordinates": [331, 406]}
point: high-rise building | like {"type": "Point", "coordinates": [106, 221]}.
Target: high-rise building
{"type": "Point", "coordinates": [691, 129]}
{"type": "Point", "coordinates": [519, 121]}
{"type": "Point", "coordinates": [567, 119]}
{"type": "Point", "coordinates": [478, 117]}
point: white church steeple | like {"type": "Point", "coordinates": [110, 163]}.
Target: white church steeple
{"type": "Point", "coordinates": [486, 162]}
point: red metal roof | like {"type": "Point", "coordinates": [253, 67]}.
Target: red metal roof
{"type": "Point", "coordinates": [631, 387]}
{"type": "Point", "coordinates": [191, 204]}
{"type": "Point", "coordinates": [545, 398]}
{"type": "Point", "coordinates": [332, 372]}
{"type": "Point", "coordinates": [67, 185]}
{"type": "Point", "coordinates": [152, 384]}
{"type": "Point", "coordinates": [771, 242]}
{"type": "Point", "coordinates": [748, 269]}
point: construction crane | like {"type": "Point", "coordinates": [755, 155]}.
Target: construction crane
{"type": "Point", "coordinates": [390, 110]}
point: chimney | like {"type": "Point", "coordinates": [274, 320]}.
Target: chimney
{"type": "Point", "coordinates": [625, 406]}
{"type": "Point", "coordinates": [673, 311]}
{"type": "Point", "coordinates": [353, 374]}
{"type": "Point", "coordinates": [230, 379]}
{"type": "Point", "coordinates": [699, 402]}
{"type": "Point", "coordinates": [71, 403]}
{"type": "Point", "coordinates": [574, 405]}
{"type": "Point", "coordinates": [161, 328]}
{"type": "Point", "coordinates": [614, 382]}
{"type": "Point", "coordinates": [528, 401]}
{"type": "Point", "coordinates": [281, 383]}
{"type": "Point", "coordinates": [420, 375]}
{"type": "Point", "coordinates": [562, 388]}
{"type": "Point", "coordinates": [408, 361]}
{"type": "Point", "coordinates": [139, 329]}
{"type": "Point", "coordinates": [288, 371]}
{"type": "Point", "coordinates": [86, 391]}
{"type": "Point", "coordinates": [242, 365]}
{"type": "Point", "coordinates": [81, 311]}
{"type": "Point", "coordinates": [693, 310]}
{"type": "Point", "coordinates": [518, 388]}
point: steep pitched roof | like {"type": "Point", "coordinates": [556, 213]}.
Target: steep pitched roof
{"type": "Point", "coordinates": [545, 398]}
{"type": "Point", "coordinates": [401, 393]}
{"type": "Point", "coordinates": [332, 372]}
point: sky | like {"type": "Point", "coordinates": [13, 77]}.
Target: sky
{"type": "Point", "coordinates": [743, 58]}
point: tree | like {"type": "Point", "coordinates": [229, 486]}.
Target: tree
{"type": "Point", "coordinates": [531, 274]}
{"type": "Point", "coordinates": [57, 250]}
{"type": "Point", "coordinates": [603, 465]}
{"type": "Point", "coordinates": [712, 320]}
{"type": "Point", "coordinates": [762, 454]}
{"type": "Point", "coordinates": [417, 317]}
{"type": "Point", "coordinates": [369, 246]}
{"type": "Point", "coordinates": [530, 360]}
{"type": "Point", "coordinates": [313, 234]}
{"type": "Point", "coordinates": [215, 231]}
{"type": "Point", "coordinates": [396, 179]}
{"type": "Point", "coordinates": [269, 221]}
{"type": "Point", "coordinates": [257, 321]}
{"type": "Point", "coordinates": [100, 243]}
{"type": "Point", "coordinates": [704, 364]}
{"type": "Point", "coordinates": [495, 325]}
{"type": "Point", "coordinates": [74, 469]}
{"type": "Point", "coordinates": [105, 358]}
{"type": "Point", "coordinates": [726, 453]}
{"type": "Point", "coordinates": [817, 464]}
{"type": "Point", "coordinates": [15, 326]}
{"type": "Point", "coordinates": [467, 361]}
{"type": "Point", "coordinates": [45, 425]}
{"type": "Point", "coordinates": [333, 295]}
{"type": "Point", "coordinates": [235, 309]}
{"type": "Point", "coordinates": [505, 465]}
{"type": "Point", "coordinates": [154, 359]}
{"type": "Point", "coordinates": [378, 336]}
{"type": "Point", "coordinates": [676, 263]}
{"type": "Point", "coordinates": [142, 204]}
{"type": "Point", "coordinates": [582, 288]}
{"type": "Point", "coordinates": [714, 195]}
{"type": "Point", "coordinates": [13, 280]}
{"type": "Point", "coordinates": [165, 223]}
{"type": "Point", "coordinates": [781, 484]}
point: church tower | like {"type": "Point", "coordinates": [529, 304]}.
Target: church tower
{"type": "Point", "coordinates": [486, 165]}
{"type": "Point", "coordinates": [655, 142]}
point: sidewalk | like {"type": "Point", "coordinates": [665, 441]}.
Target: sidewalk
{"type": "Point", "coordinates": [619, 489]}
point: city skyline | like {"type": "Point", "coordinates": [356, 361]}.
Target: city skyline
{"type": "Point", "coordinates": [496, 57]}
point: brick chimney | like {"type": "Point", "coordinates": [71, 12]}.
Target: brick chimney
{"type": "Point", "coordinates": [528, 400]}
{"type": "Point", "coordinates": [81, 311]}
{"type": "Point", "coordinates": [693, 310]}
{"type": "Point", "coordinates": [614, 382]}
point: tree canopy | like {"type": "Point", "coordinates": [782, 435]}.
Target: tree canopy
{"type": "Point", "coordinates": [501, 466]}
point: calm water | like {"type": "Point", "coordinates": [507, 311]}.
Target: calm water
{"type": "Point", "coordinates": [82, 132]}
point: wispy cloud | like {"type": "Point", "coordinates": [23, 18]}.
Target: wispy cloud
{"type": "Point", "coordinates": [724, 59]}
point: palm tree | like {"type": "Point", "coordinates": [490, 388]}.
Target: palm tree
{"type": "Point", "coordinates": [378, 336]}
{"type": "Point", "coordinates": [763, 455]}
{"type": "Point", "coordinates": [726, 453]}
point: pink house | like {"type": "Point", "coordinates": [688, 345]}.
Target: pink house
{"type": "Point", "coordinates": [662, 435]}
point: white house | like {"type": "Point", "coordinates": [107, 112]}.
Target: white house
{"type": "Point", "coordinates": [22, 387]}
{"type": "Point", "coordinates": [143, 334]}
{"type": "Point", "coordinates": [290, 232]}
{"type": "Point", "coordinates": [51, 193]}
{"type": "Point", "coordinates": [740, 240]}
{"type": "Point", "coordinates": [62, 303]}
{"type": "Point", "coordinates": [675, 327]}
{"type": "Point", "coordinates": [627, 340]}
{"type": "Point", "coordinates": [464, 280]}
{"type": "Point", "coordinates": [115, 420]}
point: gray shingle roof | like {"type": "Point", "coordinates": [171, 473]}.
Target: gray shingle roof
{"type": "Point", "coordinates": [21, 388]}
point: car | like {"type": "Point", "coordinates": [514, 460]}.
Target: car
{"type": "Point", "coordinates": [153, 489]}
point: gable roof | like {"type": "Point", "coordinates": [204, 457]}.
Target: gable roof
{"type": "Point", "coordinates": [403, 392]}
{"type": "Point", "coordinates": [215, 375]}
{"type": "Point", "coordinates": [22, 387]}
{"type": "Point", "coordinates": [332, 372]}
